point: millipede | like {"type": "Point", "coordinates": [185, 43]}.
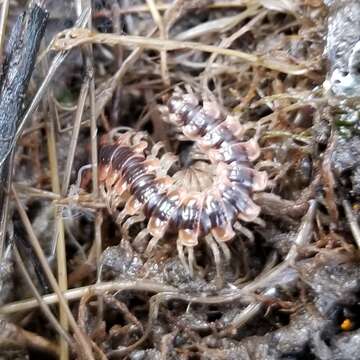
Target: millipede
{"type": "Point", "coordinates": [132, 175]}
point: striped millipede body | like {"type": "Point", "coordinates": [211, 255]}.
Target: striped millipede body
{"type": "Point", "coordinates": [128, 173]}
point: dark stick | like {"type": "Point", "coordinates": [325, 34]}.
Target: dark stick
{"type": "Point", "coordinates": [20, 57]}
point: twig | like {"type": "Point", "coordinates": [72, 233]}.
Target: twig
{"type": "Point", "coordinates": [305, 232]}
{"type": "Point", "coordinates": [57, 61]}
{"type": "Point", "coordinates": [123, 309]}
{"type": "Point", "coordinates": [17, 68]}
{"type": "Point", "coordinates": [77, 293]}
{"type": "Point", "coordinates": [82, 316]}
{"type": "Point", "coordinates": [151, 286]}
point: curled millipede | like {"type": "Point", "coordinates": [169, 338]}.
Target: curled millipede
{"type": "Point", "coordinates": [129, 174]}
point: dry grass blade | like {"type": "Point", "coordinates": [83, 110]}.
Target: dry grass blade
{"type": "Point", "coordinates": [59, 233]}
{"type": "Point", "coordinates": [163, 35]}
{"type": "Point", "coordinates": [37, 342]}
{"type": "Point", "coordinates": [105, 93]}
{"type": "Point", "coordinates": [4, 206]}
{"type": "Point", "coordinates": [16, 336]}
{"type": "Point", "coordinates": [163, 7]}
{"type": "Point", "coordinates": [75, 134]}
{"type": "Point", "coordinates": [3, 21]}
{"type": "Point", "coordinates": [44, 307]}
{"type": "Point", "coordinates": [214, 26]}
{"type": "Point", "coordinates": [80, 337]}
{"type": "Point", "coordinates": [226, 42]}
{"type": "Point", "coordinates": [329, 180]}
{"type": "Point", "coordinates": [77, 37]}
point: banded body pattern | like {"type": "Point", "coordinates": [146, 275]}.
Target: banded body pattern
{"type": "Point", "coordinates": [128, 174]}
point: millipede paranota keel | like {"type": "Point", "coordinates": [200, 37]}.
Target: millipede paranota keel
{"type": "Point", "coordinates": [131, 173]}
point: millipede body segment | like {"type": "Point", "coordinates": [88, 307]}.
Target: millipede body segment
{"type": "Point", "coordinates": [128, 174]}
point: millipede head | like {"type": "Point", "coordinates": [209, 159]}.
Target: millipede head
{"type": "Point", "coordinates": [105, 155]}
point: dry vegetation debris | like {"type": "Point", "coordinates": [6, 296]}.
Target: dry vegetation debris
{"type": "Point", "coordinates": [290, 289]}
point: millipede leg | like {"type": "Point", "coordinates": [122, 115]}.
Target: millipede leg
{"type": "Point", "coordinates": [114, 202]}
{"type": "Point", "coordinates": [189, 90]}
{"type": "Point", "coordinates": [105, 196]}
{"type": "Point", "coordinates": [267, 164]}
{"type": "Point", "coordinates": [202, 178]}
{"type": "Point", "coordinates": [139, 241]}
{"type": "Point", "coordinates": [120, 217]}
{"type": "Point", "coordinates": [140, 136]}
{"type": "Point", "coordinates": [163, 110]}
{"type": "Point", "coordinates": [191, 259]}
{"type": "Point", "coordinates": [260, 222]}
{"type": "Point", "coordinates": [215, 250]}
{"type": "Point", "coordinates": [225, 249]}
{"type": "Point", "coordinates": [157, 148]}
{"type": "Point", "coordinates": [119, 131]}
{"type": "Point", "coordinates": [130, 222]}
{"type": "Point", "coordinates": [243, 230]}
{"type": "Point", "coordinates": [211, 109]}
{"type": "Point", "coordinates": [167, 161]}
{"type": "Point", "coordinates": [151, 245]}
{"type": "Point", "coordinates": [180, 250]}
